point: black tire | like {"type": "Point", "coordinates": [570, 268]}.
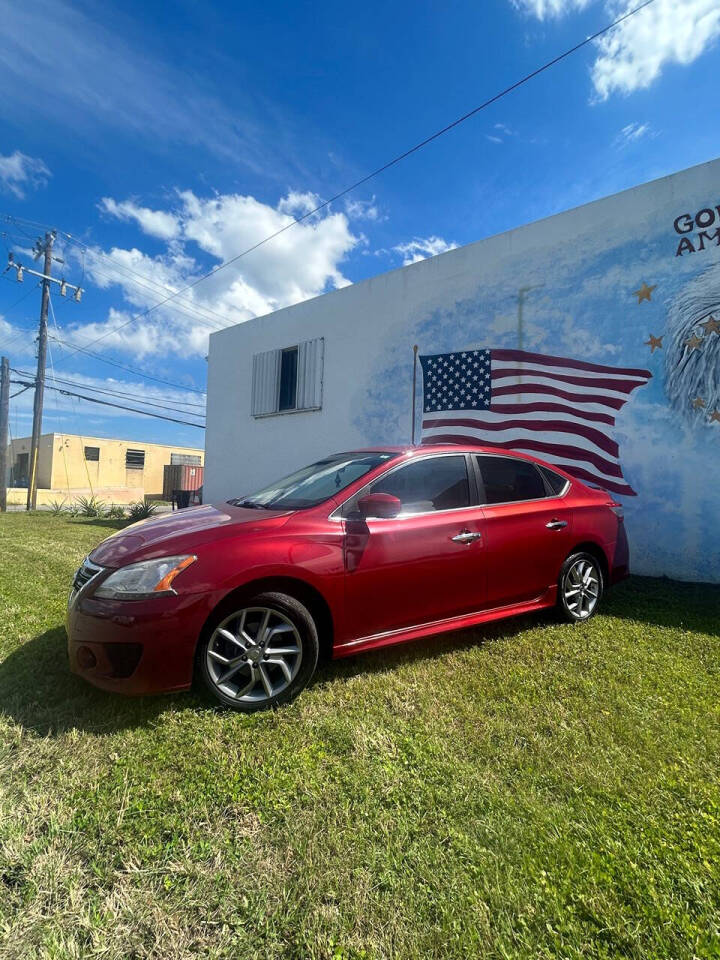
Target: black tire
{"type": "Point", "coordinates": [580, 587]}
{"type": "Point", "coordinates": [286, 613]}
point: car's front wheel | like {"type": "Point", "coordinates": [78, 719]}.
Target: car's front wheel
{"type": "Point", "coordinates": [259, 653]}
{"type": "Point", "coordinates": [580, 587]}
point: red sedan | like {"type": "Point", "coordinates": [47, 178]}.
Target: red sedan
{"type": "Point", "coordinates": [357, 551]}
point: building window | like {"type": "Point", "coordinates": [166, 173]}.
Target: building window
{"type": "Point", "coordinates": [288, 380]}
{"type": "Point", "coordinates": [92, 453]}
{"type": "Point", "coordinates": [20, 470]}
{"type": "Point", "coordinates": [194, 459]}
{"type": "Point", "coordinates": [134, 459]}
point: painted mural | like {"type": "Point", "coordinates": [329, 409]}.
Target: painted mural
{"type": "Point", "coordinates": [560, 409]}
{"type": "Point", "coordinates": [628, 292]}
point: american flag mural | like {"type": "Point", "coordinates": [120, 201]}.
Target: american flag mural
{"type": "Point", "coordinates": [559, 409]}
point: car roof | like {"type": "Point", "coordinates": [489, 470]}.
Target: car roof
{"type": "Point", "coordinates": [430, 448]}
{"type": "Point", "coordinates": [423, 448]}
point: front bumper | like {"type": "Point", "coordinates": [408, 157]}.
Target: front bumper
{"type": "Point", "coordinates": [136, 647]}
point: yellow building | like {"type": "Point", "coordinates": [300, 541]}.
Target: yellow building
{"type": "Point", "coordinates": [116, 471]}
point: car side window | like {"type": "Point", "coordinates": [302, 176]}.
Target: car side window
{"type": "Point", "coordinates": [435, 483]}
{"type": "Point", "coordinates": [554, 480]}
{"type": "Point", "coordinates": [506, 480]}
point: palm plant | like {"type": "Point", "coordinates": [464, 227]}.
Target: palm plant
{"type": "Point", "coordinates": [90, 507]}
{"type": "Point", "coordinates": [141, 510]}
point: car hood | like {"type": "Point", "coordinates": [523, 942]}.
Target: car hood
{"type": "Point", "coordinates": [181, 531]}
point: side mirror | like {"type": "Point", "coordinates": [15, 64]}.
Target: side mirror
{"type": "Point", "coordinates": [380, 505]}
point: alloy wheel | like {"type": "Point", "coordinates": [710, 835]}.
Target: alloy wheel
{"type": "Point", "coordinates": [254, 655]}
{"type": "Point", "coordinates": [581, 588]}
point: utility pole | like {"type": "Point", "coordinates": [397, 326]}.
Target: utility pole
{"type": "Point", "coordinates": [4, 415]}
{"type": "Point", "coordinates": [41, 247]}
{"type": "Point", "coordinates": [40, 375]}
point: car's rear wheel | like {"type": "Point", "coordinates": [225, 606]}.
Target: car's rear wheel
{"type": "Point", "coordinates": [258, 653]}
{"type": "Point", "coordinates": [580, 587]}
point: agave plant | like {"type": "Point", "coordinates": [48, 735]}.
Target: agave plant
{"type": "Point", "coordinates": [56, 507]}
{"type": "Point", "coordinates": [141, 510]}
{"type": "Point", "coordinates": [90, 507]}
{"type": "Point", "coordinates": [116, 511]}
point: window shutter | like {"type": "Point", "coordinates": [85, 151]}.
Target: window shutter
{"type": "Point", "coordinates": [310, 374]}
{"type": "Point", "coordinates": [265, 382]}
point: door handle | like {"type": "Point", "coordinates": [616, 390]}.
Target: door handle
{"type": "Point", "coordinates": [466, 536]}
{"type": "Point", "coordinates": [556, 524]}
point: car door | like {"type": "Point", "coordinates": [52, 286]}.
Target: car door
{"type": "Point", "coordinates": [528, 527]}
{"type": "Point", "coordinates": [427, 563]}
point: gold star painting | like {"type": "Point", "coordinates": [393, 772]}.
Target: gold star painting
{"type": "Point", "coordinates": [711, 325]}
{"type": "Point", "coordinates": [698, 403]}
{"type": "Point", "coordinates": [715, 416]}
{"type": "Point", "coordinates": [644, 293]}
{"type": "Point", "coordinates": [655, 343]}
{"type": "Point", "coordinates": [693, 343]}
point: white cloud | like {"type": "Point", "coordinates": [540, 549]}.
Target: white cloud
{"type": "Point", "coordinates": [422, 247]}
{"type": "Point", "coordinates": [492, 138]}
{"type": "Point", "coordinates": [549, 9]}
{"type": "Point", "coordinates": [19, 173]}
{"type": "Point", "coordinates": [297, 204]}
{"type": "Point", "coordinates": [634, 54]}
{"type": "Point", "coordinates": [300, 263]}
{"type": "Point", "coordinates": [156, 223]}
{"type": "Point", "coordinates": [363, 210]}
{"type": "Point", "coordinates": [632, 132]}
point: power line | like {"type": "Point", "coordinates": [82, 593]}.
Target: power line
{"type": "Point", "coordinates": [115, 363]}
{"type": "Point", "coordinates": [143, 281]}
{"type": "Point", "coordinates": [202, 313]}
{"type": "Point", "coordinates": [177, 306]}
{"type": "Point", "coordinates": [123, 366]}
{"type": "Point", "coordinates": [386, 166]}
{"type": "Point", "coordinates": [107, 403]}
{"type": "Point", "coordinates": [157, 402]}
{"type": "Point", "coordinates": [18, 392]}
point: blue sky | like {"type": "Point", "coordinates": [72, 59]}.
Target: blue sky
{"type": "Point", "coordinates": [166, 144]}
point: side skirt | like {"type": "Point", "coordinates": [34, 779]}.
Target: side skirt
{"type": "Point", "coordinates": [406, 634]}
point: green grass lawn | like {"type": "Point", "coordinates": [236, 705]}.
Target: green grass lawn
{"type": "Point", "coordinates": [527, 790]}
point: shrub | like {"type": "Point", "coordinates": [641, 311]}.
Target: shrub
{"type": "Point", "coordinates": [141, 510]}
{"type": "Point", "coordinates": [116, 511]}
{"type": "Point", "coordinates": [56, 507]}
{"type": "Point", "coordinates": [90, 507]}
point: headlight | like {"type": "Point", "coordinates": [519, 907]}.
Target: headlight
{"type": "Point", "coordinates": [145, 579]}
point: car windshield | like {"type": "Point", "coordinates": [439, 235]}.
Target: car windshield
{"type": "Point", "coordinates": [314, 484]}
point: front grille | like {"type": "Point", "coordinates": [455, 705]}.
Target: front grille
{"type": "Point", "coordinates": [83, 575]}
